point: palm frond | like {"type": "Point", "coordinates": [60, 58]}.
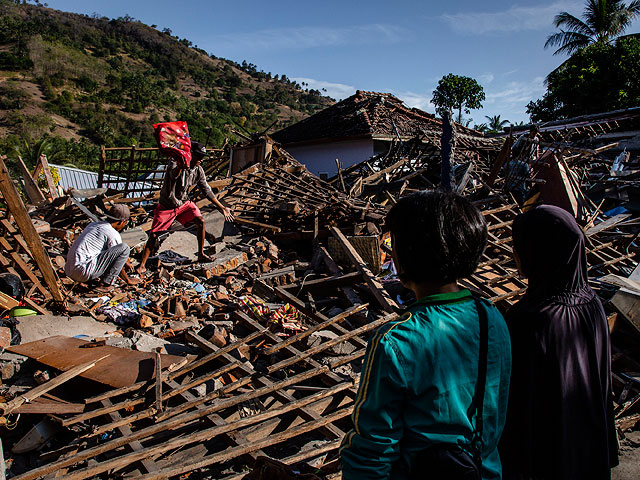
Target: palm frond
{"type": "Point", "coordinates": [634, 7]}
{"type": "Point", "coordinates": [568, 42]}
{"type": "Point", "coordinates": [567, 22]}
{"type": "Point", "coordinates": [621, 17]}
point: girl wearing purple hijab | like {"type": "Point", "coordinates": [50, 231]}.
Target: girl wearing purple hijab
{"type": "Point", "coordinates": [560, 422]}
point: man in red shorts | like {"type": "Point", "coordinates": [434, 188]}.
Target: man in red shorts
{"type": "Point", "coordinates": [175, 204]}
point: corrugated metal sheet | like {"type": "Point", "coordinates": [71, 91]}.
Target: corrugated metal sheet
{"type": "Point", "coordinates": [75, 178]}
{"type": "Point", "coordinates": [82, 179]}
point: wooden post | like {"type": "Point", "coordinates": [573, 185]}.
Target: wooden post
{"type": "Point", "coordinates": [30, 185]}
{"type": "Point", "coordinates": [340, 175]}
{"type": "Point", "coordinates": [23, 220]}
{"type": "Point", "coordinates": [53, 189]}
{"type": "Point", "coordinates": [131, 160]}
{"type": "Point", "coordinates": [158, 380]}
{"type": "Point", "coordinates": [447, 146]}
{"type": "Point", "coordinates": [103, 163]}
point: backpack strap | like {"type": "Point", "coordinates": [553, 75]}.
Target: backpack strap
{"type": "Point", "coordinates": [476, 443]}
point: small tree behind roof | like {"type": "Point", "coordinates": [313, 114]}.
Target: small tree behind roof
{"type": "Point", "coordinates": [457, 92]}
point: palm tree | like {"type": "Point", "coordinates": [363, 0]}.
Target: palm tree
{"type": "Point", "coordinates": [483, 128]}
{"type": "Point", "coordinates": [30, 151]}
{"type": "Point", "coordinates": [496, 124]}
{"type": "Point", "coordinates": [603, 21]}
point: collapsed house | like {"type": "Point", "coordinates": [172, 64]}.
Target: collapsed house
{"type": "Point", "coordinates": [362, 126]}
{"type": "Point", "coordinates": [203, 368]}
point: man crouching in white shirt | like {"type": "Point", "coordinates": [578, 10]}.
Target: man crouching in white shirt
{"type": "Point", "coordinates": [99, 254]}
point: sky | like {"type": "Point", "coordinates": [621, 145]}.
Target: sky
{"type": "Point", "coordinates": [401, 47]}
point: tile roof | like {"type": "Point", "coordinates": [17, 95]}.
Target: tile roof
{"type": "Point", "coordinates": [368, 114]}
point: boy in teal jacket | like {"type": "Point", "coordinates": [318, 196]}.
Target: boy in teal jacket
{"type": "Point", "coordinates": [420, 371]}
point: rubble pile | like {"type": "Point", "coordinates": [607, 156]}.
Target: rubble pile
{"type": "Point", "coordinates": [204, 367]}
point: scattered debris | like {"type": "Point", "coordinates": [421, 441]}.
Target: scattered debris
{"type": "Point", "coordinates": [210, 366]}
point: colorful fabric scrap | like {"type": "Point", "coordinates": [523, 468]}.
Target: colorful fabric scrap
{"type": "Point", "coordinates": [287, 317]}
{"type": "Point", "coordinates": [174, 141]}
{"type": "Point", "coordinates": [123, 313]}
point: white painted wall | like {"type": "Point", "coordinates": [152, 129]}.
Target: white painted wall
{"type": "Point", "coordinates": [322, 157]}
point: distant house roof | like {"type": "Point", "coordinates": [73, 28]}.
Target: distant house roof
{"type": "Point", "coordinates": [365, 115]}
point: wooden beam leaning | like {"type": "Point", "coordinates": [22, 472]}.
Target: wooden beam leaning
{"type": "Point", "coordinates": [17, 209]}
{"type": "Point", "coordinates": [378, 291]}
{"type": "Point", "coordinates": [31, 187]}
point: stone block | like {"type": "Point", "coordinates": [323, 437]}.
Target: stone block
{"type": "Point", "coordinates": [226, 261]}
{"type": "Point", "coordinates": [5, 337]}
{"type": "Point", "coordinates": [37, 327]}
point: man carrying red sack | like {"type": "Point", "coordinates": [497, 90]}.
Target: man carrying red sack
{"type": "Point", "coordinates": [174, 202]}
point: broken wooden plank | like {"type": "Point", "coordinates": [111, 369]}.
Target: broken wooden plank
{"type": "Point", "coordinates": [378, 291]}
{"type": "Point", "coordinates": [53, 408]}
{"type": "Point", "coordinates": [158, 366]}
{"type": "Point", "coordinates": [253, 223]}
{"type": "Point", "coordinates": [36, 197]}
{"type": "Point", "coordinates": [34, 393]}
{"type": "Point", "coordinates": [607, 224]}
{"type": "Point", "coordinates": [7, 302]}
{"type": "Point", "coordinates": [17, 209]}
{"type": "Point", "coordinates": [43, 163]}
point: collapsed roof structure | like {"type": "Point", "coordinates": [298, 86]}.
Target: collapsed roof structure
{"type": "Point", "coordinates": [207, 367]}
{"type": "Point", "coordinates": [361, 126]}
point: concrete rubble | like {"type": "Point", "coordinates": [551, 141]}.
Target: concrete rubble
{"type": "Point", "coordinates": [258, 353]}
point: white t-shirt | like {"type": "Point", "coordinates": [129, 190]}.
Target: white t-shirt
{"type": "Point", "coordinates": [96, 238]}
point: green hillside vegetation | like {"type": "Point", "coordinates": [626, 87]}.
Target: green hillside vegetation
{"type": "Point", "coordinates": [81, 82]}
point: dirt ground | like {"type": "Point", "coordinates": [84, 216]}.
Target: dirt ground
{"type": "Point", "coordinates": [629, 468]}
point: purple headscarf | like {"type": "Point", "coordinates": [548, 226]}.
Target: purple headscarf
{"type": "Point", "coordinates": [551, 247]}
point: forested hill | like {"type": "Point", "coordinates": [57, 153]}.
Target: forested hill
{"type": "Point", "coordinates": [82, 81]}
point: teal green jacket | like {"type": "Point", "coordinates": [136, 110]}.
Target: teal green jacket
{"type": "Point", "coordinates": [417, 382]}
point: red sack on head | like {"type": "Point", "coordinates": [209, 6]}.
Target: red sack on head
{"type": "Point", "coordinates": [174, 140]}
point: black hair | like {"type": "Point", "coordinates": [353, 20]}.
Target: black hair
{"type": "Point", "coordinates": [437, 236]}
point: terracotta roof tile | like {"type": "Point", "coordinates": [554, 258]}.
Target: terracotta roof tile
{"type": "Point", "coordinates": [363, 114]}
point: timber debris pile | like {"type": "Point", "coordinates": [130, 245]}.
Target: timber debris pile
{"type": "Point", "coordinates": [204, 367]}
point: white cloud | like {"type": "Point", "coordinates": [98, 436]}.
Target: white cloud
{"type": "Point", "coordinates": [486, 78]}
{"type": "Point", "coordinates": [516, 18]}
{"type": "Point", "coordinates": [312, 37]}
{"type": "Point", "coordinates": [339, 91]}
{"type": "Point", "coordinates": [416, 100]}
{"type": "Point", "coordinates": [506, 99]}
{"type": "Point", "coordinates": [517, 92]}
{"type": "Point", "coordinates": [510, 100]}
